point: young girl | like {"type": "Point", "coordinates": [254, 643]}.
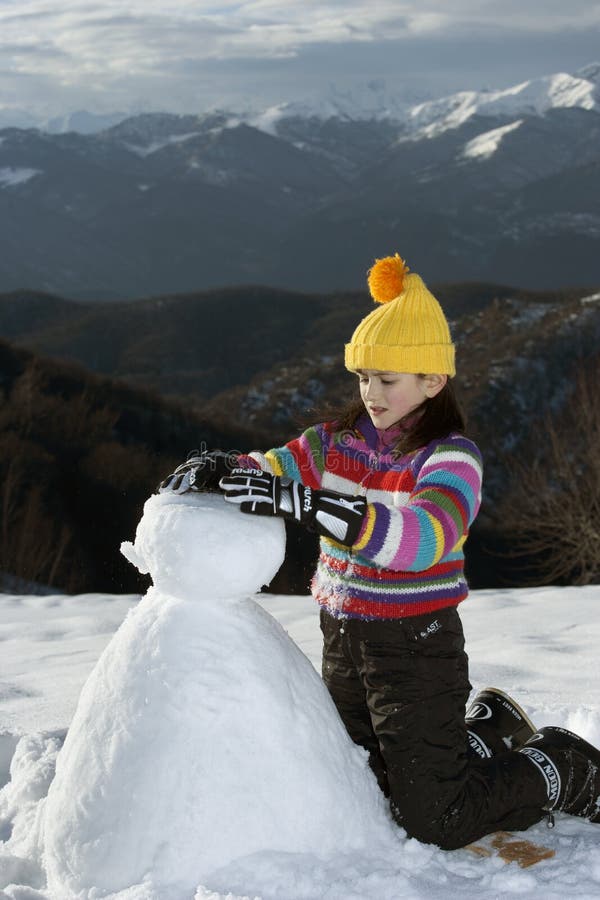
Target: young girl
{"type": "Point", "coordinates": [392, 488]}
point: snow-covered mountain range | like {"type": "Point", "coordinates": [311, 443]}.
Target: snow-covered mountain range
{"type": "Point", "coordinates": [490, 185]}
{"type": "Point", "coordinates": [370, 100]}
{"type": "Point", "coordinates": [529, 98]}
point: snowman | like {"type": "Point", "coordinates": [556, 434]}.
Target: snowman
{"type": "Point", "coordinates": [204, 734]}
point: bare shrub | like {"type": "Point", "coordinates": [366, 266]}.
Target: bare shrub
{"type": "Point", "coordinates": [32, 547]}
{"type": "Point", "coordinates": [551, 511]}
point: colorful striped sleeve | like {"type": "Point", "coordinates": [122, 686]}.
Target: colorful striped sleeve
{"type": "Point", "coordinates": [435, 521]}
{"type": "Point", "coordinates": [302, 459]}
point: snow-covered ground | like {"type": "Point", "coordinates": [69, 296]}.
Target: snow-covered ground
{"type": "Point", "coordinates": [540, 645]}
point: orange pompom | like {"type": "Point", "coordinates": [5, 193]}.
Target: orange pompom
{"type": "Point", "coordinates": [386, 278]}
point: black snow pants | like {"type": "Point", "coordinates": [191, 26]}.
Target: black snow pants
{"type": "Point", "coordinates": [401, 688]}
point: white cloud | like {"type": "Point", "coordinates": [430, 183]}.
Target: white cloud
{"type": "Point", "coordinates": [161, 47]}
{"type": "Point", "coordinates": [89, 29]}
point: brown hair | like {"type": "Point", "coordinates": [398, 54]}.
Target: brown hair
{"type": "Point", "coordinates": [435, 418]}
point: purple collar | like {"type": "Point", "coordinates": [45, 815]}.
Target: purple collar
{"type": "Point", "coordinates": [379, 439]}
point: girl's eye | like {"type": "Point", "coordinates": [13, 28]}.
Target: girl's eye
{"type": "Point", "coordinates": [386, 382]}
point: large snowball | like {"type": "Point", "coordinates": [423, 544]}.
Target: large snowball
{"type": "Point", "coordinates": [203, 734]}
{"type": "Point", "coordinates": [193, 541]}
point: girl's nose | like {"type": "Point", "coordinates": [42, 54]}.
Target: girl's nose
{"type": "Point", "coordinates": [371, 390]}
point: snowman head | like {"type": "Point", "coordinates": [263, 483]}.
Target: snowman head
{"type": "Point", "coordinates": [197, 545]}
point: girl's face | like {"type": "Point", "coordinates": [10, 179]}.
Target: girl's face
{"type": "Point", "coordinates": [389, 396]}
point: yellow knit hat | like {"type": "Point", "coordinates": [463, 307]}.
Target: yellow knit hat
{"type": "Point", "coordinates": [408, 332]}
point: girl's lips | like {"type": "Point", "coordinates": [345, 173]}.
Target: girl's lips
{"type": "Point", "coordinates": [377, 410]}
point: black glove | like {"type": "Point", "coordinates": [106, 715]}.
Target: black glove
{"type": "Point", "coordinates": [200, 472]}
{"type": "Point", "coordinates": [337, 516]}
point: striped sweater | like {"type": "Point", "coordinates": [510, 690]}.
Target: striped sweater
{"type": "Point", "coordinates": [408, 558]}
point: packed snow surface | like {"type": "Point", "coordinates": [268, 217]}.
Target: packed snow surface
{"type": "Point", "coordinates": [206, 678]}
{"type": "Point", "coordinates": [204, 759]}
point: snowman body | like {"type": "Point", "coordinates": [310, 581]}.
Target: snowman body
{"type": "Point", "coordinates": [203, 733]}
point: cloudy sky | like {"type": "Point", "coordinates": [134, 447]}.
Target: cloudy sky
{"type": "Point", "coordinates": [189, 55]}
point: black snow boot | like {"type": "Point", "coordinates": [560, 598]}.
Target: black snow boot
{"type": "Point", "coordinates": [570, 768]}
{"type": "Point", "coordinates": [495, 724]}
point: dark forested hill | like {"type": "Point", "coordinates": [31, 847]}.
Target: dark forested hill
{"type": "Point", "coordinates": [236, 369]}
{"type": "Point", "coordinates": [79, 455]}
{"type": "Point", "coordinates": [198, 345]}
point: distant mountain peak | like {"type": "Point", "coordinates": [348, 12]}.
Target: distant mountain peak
{"type": "Point", "coordinates": [428, 118]}
{"type": "Point", "coordinates": [534, 97]}
{"type": "Point", "coordinates": [364, 101]}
